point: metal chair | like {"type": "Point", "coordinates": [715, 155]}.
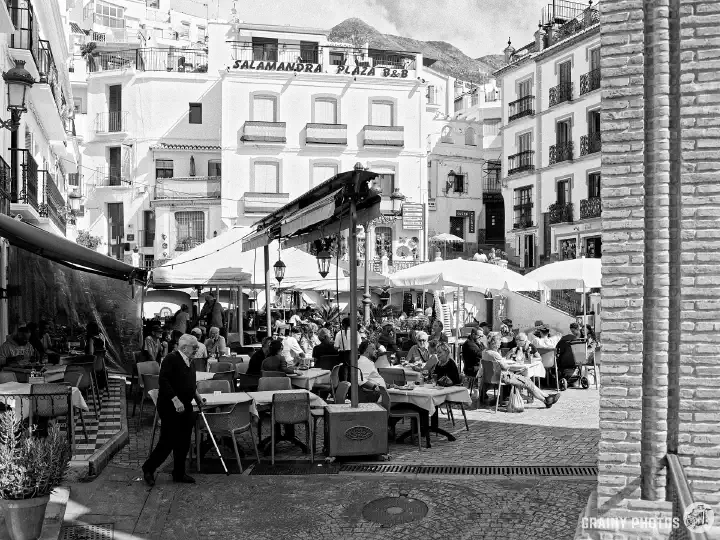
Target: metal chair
{"type": "Point", "coordinates": [7, 376]}
{"type": "Point", "coordinates": [290, 409]}
{"type": "Point", "coordinates": [398, 411]}
{"type": "Point", "coordinates": [236, 419]}
{"type": "Point", "coordinates": [490, 377]}
{"type": "Point", "coordinates": [154, 396]}
{"type": "Point", "coordinates": [274, 374]}
{"type": "Point", "coordinates": [448, 408]}
{"type": "Point", "coordinates": [138, 356]}
{"type": "Point", "coordinates": [73, 380]}
{"type": "Point", "coordinates": [393, 375]}
{"type": "Point", "coordinates": [86, 385]}
{"type": "Point", "coordinates": [212, 386]}
{"type": "Point", "coordinates": [52, 400]}
{"type": "Point", "coordinates": [200, 364]}
{"type": "Point", "coordinates": [274, 383]}
{"type": "Point", "coordinates": [145, 368]}
{"type": "Point", "coordinates": [90, 375]}
{"type": "Point", "coordinates": [217, 367]}
{"type": "Point", "coordinates": [150, 382]}
{"type": "Point", "coordinates": [247, 383]}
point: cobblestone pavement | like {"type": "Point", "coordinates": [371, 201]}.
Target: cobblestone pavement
{"type": "Point", "coordinates": [328, 507]}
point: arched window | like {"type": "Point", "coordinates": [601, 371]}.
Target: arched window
{"type": "Point", "coordinates": [446, 134]}
{"type": "Point", "coordinates": [383, 242]}
{"type": "Point", "coordinates": [470, 137]}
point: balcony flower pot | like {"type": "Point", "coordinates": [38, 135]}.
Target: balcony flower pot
{"type": "Point", "coordinates": [30, 468]}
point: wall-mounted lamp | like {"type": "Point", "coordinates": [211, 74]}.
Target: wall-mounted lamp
{"type": "Point", "coordinates": [18, 81]}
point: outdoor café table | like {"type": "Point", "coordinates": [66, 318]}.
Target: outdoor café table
{"type": "Point", "coordinates": [203, 375]}
{"type": "Point", "coordinates": [23, 389]}
{"type": "Point", "coordinates": [51, 372]}
{"type": "Point", "coordinates": [307, 378]}
{"type": "Point", "coordinates": [531, 370]}
{"type": "Point", "coordinates": [428, 397]}
{"type": "Point", "coordinates": [263, 400]}
{"type": "Point", "coordinates": [410, 374]}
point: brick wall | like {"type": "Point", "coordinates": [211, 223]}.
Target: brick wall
{"type": "Point", "coordinates": [661, 249]}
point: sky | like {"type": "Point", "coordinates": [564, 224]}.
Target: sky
{"type": "Point", "coordinates": [476, 27]}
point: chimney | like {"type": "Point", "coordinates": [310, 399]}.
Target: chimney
{"type": "Point", "coordinates": [509, 51]}
{"type": "Point", "coordinates": [539, 38]}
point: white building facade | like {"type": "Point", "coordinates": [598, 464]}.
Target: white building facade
{"type": "Point", "coordinates": [551, 142]}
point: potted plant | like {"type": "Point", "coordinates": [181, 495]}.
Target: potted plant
{"type": "Point", "coordinates": [30, 468]}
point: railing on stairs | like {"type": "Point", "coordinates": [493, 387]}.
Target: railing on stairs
{"type": "Point", "coordinates": [679, 493]}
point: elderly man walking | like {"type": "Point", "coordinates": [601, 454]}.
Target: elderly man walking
{"type": "Point", "coordinates": [174, 405]}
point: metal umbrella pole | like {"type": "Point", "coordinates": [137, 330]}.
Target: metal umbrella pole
{"type": "Point", "coordinates": [212, 438]}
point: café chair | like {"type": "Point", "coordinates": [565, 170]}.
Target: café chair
{"type": "Point", "coordinates": [53, 400]}
{"type": "Point", "coordinates": [7, 376]}
{"type": "Point", "coordinates": [393, 375]}
{"type": "Point", "coordinates": [73, 380]}
{"type": "Point", "coordinates": [231, 422]}
{"type": "Point", "coordinates": [217, 367]}
{"type": "Point", "coordinates": [212, 386]}
{"type": "Point", "coordinates": [156, 419]}
{"type": "Point", "coordinates": [151, 368]}
{"type": "Point", "coordinates": [341, 392]}
{"type": "Point", "coordinates": [101, 371]}
{"type": "Point", "coordinates": [85, 385]}
{"type": "Point", "coordinates": [398, 411]}
{"type": "Point", "coordinates": [150, 382]}
{"type": "Point", "coordinates": [549, 361]}
{"type": "Point", "coordinates": [449, 406]}
{"type": "Point", "coordinates": [200, 364]}
{"type": "Point", "coordinates": [291, 409]}
{"type": "Point", "coordinates": [226, 376]}
{"type": "Point", "coordinates": [247, 383]}
{"type": "Point", "coordinates": [274, 374]}
{"type": "Point", "coordinates": [274, 383]}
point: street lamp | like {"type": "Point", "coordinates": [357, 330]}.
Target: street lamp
{"type": "Point", "coordinates": [279, 268]}
{"type": "Point", "coordinates": [323, 262]}
{"type": "Point", "coordinates": [74, 199]}
{"type": "Point", "coordinates": [18, 81]}
{"type": "Point", "coordinates": [397, 200]}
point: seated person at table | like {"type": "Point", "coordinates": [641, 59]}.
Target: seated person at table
{"type": "Point", "coordinates": [446, 366]}
{"type": "Point", "coordinates": [215, 343]}
{"type": "Point", "coordinates": [524, 352]}
{"type": "Point", "coordinates": [387, 338]}
{"type": "Point", "coordinates": [47, 342]}
{"type": "Point", "coordinates": [507, 335]}
{"type": "Point", "coordinates": [17, 347]}
{"type": "Point", "coordinates": [564, 352]}
{"type": "Point", "coordinates": [256, 360]}
{"type": "Point", "coordinates": [292, 351]}
{"type": "Point", "coordinates": [492, 353]}
{"type": "Point", "coordinates": [275, 360]}
{"type": "Point", "coordinates": [326, 347]}
{"type": "Point", "coordinates": [35, 340]}
{"type": "Point", "coordinates": [309, 339]}
{"type": "Point", "coordinates": [382, 358]}
{"type": "Point", "coordinates": [371, 379]}
{"type": "Point", "coordinates": [437, 331]}
{"type": "Point", "coordinates": [419, 353]}
{"type": "Point", "coordinates": [433, 355]}
{"type": "Point", "coordinates": [472, 351]}
{"type": "Point", "coordinates": [542, 338]}
{"type": "Point", "coordinates": [153, 345]}
{"type": "Point", "coordinates": [202, 350]}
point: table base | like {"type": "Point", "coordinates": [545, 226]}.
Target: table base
{"type": "Point", "coordinates": [433, 428]}
{"type": "Point", "coordinates": [289, 436]}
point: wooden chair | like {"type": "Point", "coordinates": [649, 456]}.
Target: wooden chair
{"type": "Point", "coordinates": [227, 376]}
{"type": "Point", "coordinates": [73, 380]}
{"type": "Point", "coordinates": [217, 367]}
{"type": "Point", "coordinates": [274, 383]}
{"type": "Point", "coordinates": [393, 375]}
{"type": "Point", "coordinates": [292, 409]}
{"type": "Point", "coordinates": [212, 386]}
{"type": "Point", "coordinates": [145, 368]}
{"type": "Point", "coordinates": [398, 411]}
{"type": "Point", "coordinates": [7, 376]}
{"type": "Point", "coordinates": [236, 419]}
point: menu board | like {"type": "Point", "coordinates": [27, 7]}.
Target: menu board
{"type": "Point", "coordinates": [413, 218]}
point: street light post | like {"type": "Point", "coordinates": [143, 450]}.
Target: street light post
{"type": "Point", "coordinates": [366, 294]}
{"type": "Point", "coordinates": [18, 81]}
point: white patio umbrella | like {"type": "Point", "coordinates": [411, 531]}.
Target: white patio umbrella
{"type": "Point", "coordinates": [445, 238]}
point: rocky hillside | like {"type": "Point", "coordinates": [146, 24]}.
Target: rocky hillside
{"type": "Point", "coordinates": [449, 59]}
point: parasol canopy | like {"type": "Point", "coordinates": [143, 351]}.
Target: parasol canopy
{"type": "Point", "coordinates": [570, 274]}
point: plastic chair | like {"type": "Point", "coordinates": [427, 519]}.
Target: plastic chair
{"type": "Point", "coordinates": [145, 368]}
{"type": "Point", "coordinates": [290, 409]}
{"type": "Point", "coordinates": [7, 376]}
{"type": "Point", "coordinates": [398, 411]}
{"type": "Point", "coordinates": [200, 364]}
{"type": "Point", "coordinates": [86, 385]}
{"type": "Point", "coordinates": [230, 422]}
{"type": "Point", "coordinates": [217, 367]}
{"type": "Point", "coordinates": [274, 383]}
{"type": "Point", "coordinates": [212, 386]}
{"type": "Point", "coordinates": [393, 375]}
{"type": "Point", "coordinates": [549, 360]}
{"type": "Point", "coordinates": [247, 383]}
{"type": "Point", "coordinates": [228, 376]}
{"type": "Point", "coordinates": [73, 379]}
{"type": "Point", "coordinates": [274, 374]}
{"type": "Point", "coordinates": [150, 382]}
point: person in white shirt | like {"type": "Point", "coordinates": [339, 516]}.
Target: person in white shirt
{"type": "Point", "coordinates": [545, 340]}
{"type": "Point", "coordinates": [480, 256]}
{"type": "Point", "coordinates": [202, 350]}
{"type": "Point", "coordinates": [295, 320]}
{"type": "Point", "coordinates": [215, 343]}
{"type": "Point", "coordinates": [292, 351]}
{"type": "Point", "coordinates": [342, 338]}
{"type": "Point", "coordinates": [371, 379]}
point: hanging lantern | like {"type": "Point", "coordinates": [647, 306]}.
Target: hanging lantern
{"type": "Point", "coordinates": [323, 262]}
{"type": "Point", "coordinates": [279, 268]}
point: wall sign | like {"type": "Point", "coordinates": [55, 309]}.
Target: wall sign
{"type": "Point", "coordinates": [413, 218]}
{"type": "Point", "coordinates": [318, 68]}
{"type": "Point", "coordinates": [372, 72]}
{"type": "Point", "coordinates": [432, 204]}
{"type": "Point", "coordinates": [471, 215]}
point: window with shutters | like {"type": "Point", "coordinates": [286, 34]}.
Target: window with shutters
{"type": "Point", "coordinates": [382, 113]}
{"type": "Point", "coordinates": [386, 183]}
{"type": "Point", "coordinates": [214, 167]}
{"type": "Point", "coordinates": [563, 192]}
{"type": "Point", "coordinates": [470, 137]}
{"type": "Point", "coordinates": [459, 183]}
{"type": "Point", "coordinates": [593, 185]}
{"type": "Point", "coordinates": [190, 229]}
{"type": "Point", "coordinates": [491, 127]}
{"type": "Point", "coordinates": [266, 177]}
{"type": "Point", "coordinates": [115, 166]}
{"type": "Point", "coordinates": [326, 111]}
{"type": "Point", "coordinates": [264, 108]}
{"type": "Point", "coordinates": [524, 142]}
{"type": "Point", "coordinates": [163, 168]}
{"type": "Point", "coordinates": [322, 172]}
{"type": "Point", "coordinates": [524, 88]}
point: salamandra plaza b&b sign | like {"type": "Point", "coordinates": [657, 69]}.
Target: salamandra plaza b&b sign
{"type": "Point", "coordinates": [299, 67]}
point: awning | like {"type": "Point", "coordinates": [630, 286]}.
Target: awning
{"type": "Point", "coordinates": [315, 213]}
{"type": "Point", "coordinates": [65, 252]}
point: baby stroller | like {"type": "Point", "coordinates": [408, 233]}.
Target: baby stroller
{"type": "Point", "coordinates": [582, 359]}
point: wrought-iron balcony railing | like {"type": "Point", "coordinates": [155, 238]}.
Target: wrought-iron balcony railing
{"type": "Point", "coordinates": [111, 122]}
{"type": "Point", "coordinates": [525, 106]}
{"type": "Point", "coordinates": [582, 21]}
{"type": "Point", "coordinates": [191, 187]}
{"type": "Point", "coordinates": [522, 161]}
{"type": "Point", "coordinates": [561, 213]}
{"type": "Point", "coordinates": [561, 93]}
{"type": "Point", "coordinates": [561, 152]}
{"type": "Point", "coordinates": [491, 182]}
{"type": "Point", "coordinates": [590, 143]}
{"type": "Point", "coordinates": [53, 204]}
{"type": "Point", "coordinates": [109, 177]}
{"type": "Point", "coordinates": [590, 208]}
{"type": "Point", "coordinates": [524, 220]}
{"type": "Point", "coordinates": [25, 189]}
{"type": "Point", "coordinates": [5, 187]}
{"type": "Point", "coordinates": [26, 34]}
{"type": "Point", "coordinates": [589, 81]}
{"type": "Point", "coordinates": [150, 59]}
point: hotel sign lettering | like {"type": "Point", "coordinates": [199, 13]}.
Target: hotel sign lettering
{"type": "Point", "coordinates": [317, 68]}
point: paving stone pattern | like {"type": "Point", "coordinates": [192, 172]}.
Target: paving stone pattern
{"type": "Point", "coordinates": [100, 428]}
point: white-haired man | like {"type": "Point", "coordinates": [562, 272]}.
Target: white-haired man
{"type": "Point", "coordinates": [215, 343]}
{"type": "Point", "coordinates": [174, 405]}
{"type": "Point", "coordinates": [524, 352]}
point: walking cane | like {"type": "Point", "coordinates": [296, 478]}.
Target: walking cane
{"type": "Point", "coordinates": [212, 437]}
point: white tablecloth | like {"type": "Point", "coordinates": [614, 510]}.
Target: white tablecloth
{"type": "Point", "coordinates": [534, 369]}
{"type": "Point", "coordinates": [308, 378]}
{"type": "Point", "coordinates": [203, 375]}
{"type": "Point", "coordinates": [429, 396]}
{"type": "Point", "coordinates": [23, 389]}
{"type": "Point", "coordinates": [265, 398]}
{"type": "Point", "coordinates": [217, 400]}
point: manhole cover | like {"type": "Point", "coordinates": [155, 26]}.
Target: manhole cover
{"type": "Point", "coordinates": [88, 532]}
{"type": "Point", "coordinates": [394, 510]}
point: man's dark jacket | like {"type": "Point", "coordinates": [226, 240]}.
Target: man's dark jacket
{"type": "Point", "coordinates": [176, 379]}
{"type": "Point", "coordinates": [472, 354]}
{"type": "Point", "coordinates": [565, 356]}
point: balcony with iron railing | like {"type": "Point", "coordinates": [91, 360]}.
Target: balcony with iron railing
{"type": "Point", "coordinates": [561, 93]}
{"type": "Point", "coordinates": [192, 187]}
{"type": "Point", "coordinates": [581, 20]}
{"type": "Point", "coordinates": [111, 122]}
{"type": "Point", "coordinates": [25, 188]}
{"type": "Point", "coordinates": [560, 213]}
{"type": "Point", "coordinates": [26, 35]}
{"type": "Point", "coordinates": [5, 187]}
{"type": "Point", "coordinates": [53, 204]}
{"type": "Point", "coordinates": [589, 81]}
{"type": "Point", "coordinates": [523, 216]}
{"type": "Point", "coordinates": [491, 182]}
{"type": "Point", "coordinates": [525, 106]}
{"type": "Point", "coordinates": [591, 208]}
{"type": "Point", "coordinates": [561, 152]}
{"type": "Point", "coordinates": [109, 177]}
{"type": "Point", "coordinates": [150, 59]}
{"type": "Point", "coordinates": [521, 162]}
{"type": "Point", "coordinates": [590, 143]}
